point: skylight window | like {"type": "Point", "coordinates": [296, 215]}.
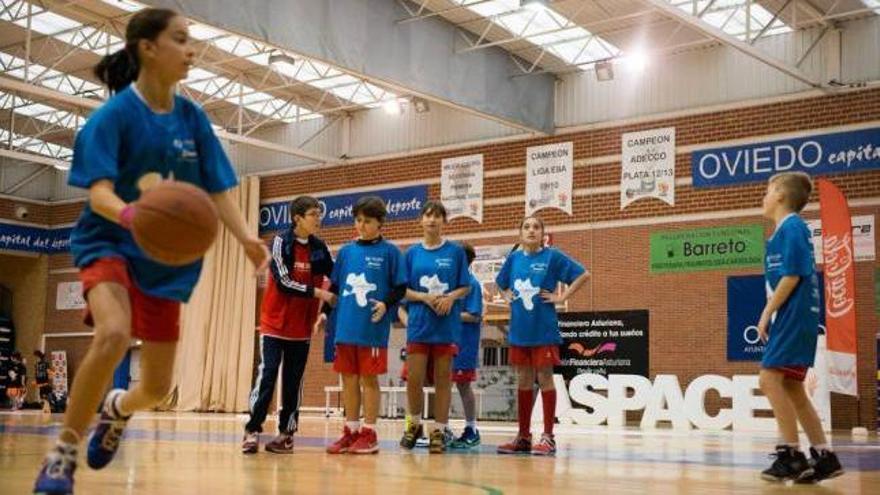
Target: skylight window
{"type": "Point", "coordinates": [545, 28]}
{"type": "Point", "coordinates": [732, 17]}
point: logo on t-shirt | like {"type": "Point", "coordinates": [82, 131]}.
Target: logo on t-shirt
{"type": "Point", "coordinates": [433, 285]}
{"type": "Point", "coordinates": [359, 287]}
{"type": "Point", "coordinates": [525, 291]}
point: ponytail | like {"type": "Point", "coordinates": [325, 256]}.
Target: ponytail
{"type": "Point", "coordinates": [117, 70]}
{"type": "Point", "coordinates": [120, 69]}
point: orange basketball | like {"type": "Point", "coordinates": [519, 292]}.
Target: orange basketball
{"type": "Point", "coordinates": [175, 223]}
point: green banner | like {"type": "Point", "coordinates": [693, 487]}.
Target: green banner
{"type": "Point", "coordinates": [707, 249]}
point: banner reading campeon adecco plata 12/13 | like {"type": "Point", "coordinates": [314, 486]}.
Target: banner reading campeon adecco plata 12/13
{"type": "Point", "coordinates": [850, 151]}
{"type": "Point", "coordinates": [707, 249]}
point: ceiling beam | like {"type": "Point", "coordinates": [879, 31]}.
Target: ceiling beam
{"type": "Point", "coordinates": [12, 85]}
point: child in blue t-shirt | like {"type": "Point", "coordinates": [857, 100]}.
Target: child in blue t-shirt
{"type": "Point", "coordinates": [437, 274]}
{"type": "Point", "coordinates": [529, 278]}
{"type": "Point", "coordinates": [369, 277]}
{"type": "Point", "coordinates": [142, 135]}
{"type": "Point", "coordinates": [464, 366]}
{"type": "Point", "coordinates": [790, 326]}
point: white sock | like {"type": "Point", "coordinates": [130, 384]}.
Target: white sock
{"type": "Point", "coordinates": [353, 425]}
{"type": "Point", "coordinates": [369, 427]}
{"type": "Point", "coordinates": [117, 406]}
{"type": "Point", "coordinates": [441, 426]}
{"type": "Point", "coordinates": [821, 446]}
{"type": "Point", "coordinates": [65, 448]}
{"type": "Point", "coordinates": [472, 425]}
{"type": "Point", "coordinates": [416, 420]}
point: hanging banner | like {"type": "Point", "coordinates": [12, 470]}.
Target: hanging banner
{"type": "Point", "coordinates": [851, 151]}
{"type": "Point", "coordinates": [648, 166]}
{"type": "Point", "coordinates": [69, 295]}
{"type": "Point", "coordinates": [863, 237]}
{"type": "Point", "coordinates": [34, 239]}
{"type": "Point", "coordinates": [840, 294]}
{"type": "Point", "coordinates": [403, 203]}
{"type": "Point", "coordinates": [461, 186]}
{"type": "Point", "coordinates": [549, 177]}
{"type": "Point", "coordinates": [604, 343]}
{"type": "Point", "coordinates": [713, 248]}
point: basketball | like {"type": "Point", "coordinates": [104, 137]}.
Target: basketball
{"type": "Point", "coordinates": [175, 223]}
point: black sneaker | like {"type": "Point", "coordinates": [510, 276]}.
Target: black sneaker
{"type": "Point", "coordinates": [825, 466]}
{"type": "Point", "coordinates": [411, 435]}
{"type": "Point", "coordinates": [790, 464]}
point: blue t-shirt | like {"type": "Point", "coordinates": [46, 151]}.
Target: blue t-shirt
{"type": "Point", "coordinates": [365, 271]}
{"type": "Point", "coordinates": [468, 339]}
{"type": "Point", "coordinates": [124, 141]}
{"type": "Point", "coordinates": [533, 322]}
{"type": "Point", "coordinates": [438, 271]}
{"type": "Point", "coordinates": [794, 328]}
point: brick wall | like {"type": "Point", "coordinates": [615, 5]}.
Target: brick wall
{"type": "Point", "coordinates": [688, 326]}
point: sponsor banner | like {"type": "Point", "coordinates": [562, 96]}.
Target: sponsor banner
{"type": "Point", "coordinates": [549, 177]}
{"type": "Point", "coordinates": [604, 343]}
{"type": "Point", "coordinates": [403, 203]}
{"type": "Point", "coordinates": [746, 297]}
{"type": "Point", "coordinates": [461, 186]}
{"type": "Point", "coordinates": [34, 239]}
{"type": "Point", "coordinates": [862, 235]}
{"type": "Point", "coordinates": [841, 152]}
{"type": "Point", "coordinates": [648, 166]}
{"type": "Point", "coordinates": [707, 249]}
{"type": "Point", "coordinates": [840, 288]}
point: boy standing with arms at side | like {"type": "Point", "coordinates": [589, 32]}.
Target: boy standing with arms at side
{"type": "Point", "coordinates": [369, 277]}
{"type": "Point", "coordinates": [789, 325]}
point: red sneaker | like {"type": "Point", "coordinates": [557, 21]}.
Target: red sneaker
{"type": "Point", "coordinates": [366, 442]}
{"type": "Point", "coordinates": [519, 445]}
{"type": "Point", "coordinates": [342, 445]}
{"type": "Point", "coordinates": [547, 446]}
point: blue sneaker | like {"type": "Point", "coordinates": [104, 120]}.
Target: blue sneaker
{"type": "Point", "coordinates": [56, 476]}
{"type": "Point", "coordinates": [105, 439]}
{"type": "Point", "coordinates": [469, 439]}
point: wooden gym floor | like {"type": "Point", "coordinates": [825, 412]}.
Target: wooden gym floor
{"type": "Point", "coordinates": [189, 453]}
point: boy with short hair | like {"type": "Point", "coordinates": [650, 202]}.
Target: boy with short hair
{"type": "Point", "coordinates": [789, 325]}
{"type": "Point", "coordinates": [369, 278]}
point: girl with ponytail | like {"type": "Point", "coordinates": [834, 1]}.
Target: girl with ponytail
{"type": "Point", "coordinates": [143, 134]}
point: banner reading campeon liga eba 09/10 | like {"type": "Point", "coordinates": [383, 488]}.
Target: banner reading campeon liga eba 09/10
{"type": "Point", "coordinates": [549, 177]}
{"type": "Point", "coordinates": [840, 294]}
{"type": "Point", "coordinates": [850, 151]}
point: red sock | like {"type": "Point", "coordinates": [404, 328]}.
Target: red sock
{"type": "Point", "coordinates": [526, 401]}
{"type": "Point", "coordinates": [548, 400]}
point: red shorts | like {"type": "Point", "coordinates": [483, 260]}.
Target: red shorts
{"type": "Point", "coordinates": [540, 356]}
{"type": "Point", "coordinates": [354, 359]}
{"type": "Point", "coordinates": [431, 350]}
{"type": "Point", "coordinates": [154, 319]}
{"type": "Point", "coordinates": [796, 373]}
{"type": "Point", "coordinates": [464, 376]}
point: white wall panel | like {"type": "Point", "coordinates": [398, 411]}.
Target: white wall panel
{"type": "Point", "coordinates": [714, 75]}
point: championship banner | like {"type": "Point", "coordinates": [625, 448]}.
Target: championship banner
{"type": "Point", "coordinates": [549, 177]}
{"type": "Point", "coordinates": [648, 166]}
{"type": "Point", "coordinates": [840, 294]}
{"type": "Point", "coordinates": [461, 186]}
{"type": "Point", "coordinates": [34, 239]}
